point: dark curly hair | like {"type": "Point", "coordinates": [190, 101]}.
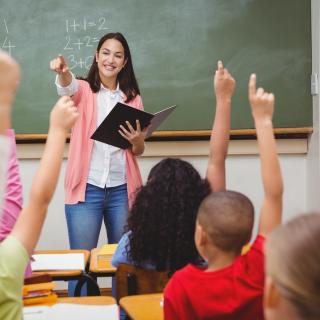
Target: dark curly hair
{"type": "Point", "coordinates": [162, 218]}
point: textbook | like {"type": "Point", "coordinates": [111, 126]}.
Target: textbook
{"type": "Point", "coordinates": [108, 132]}
{"type": "Point", "coordinates": [39, 293]}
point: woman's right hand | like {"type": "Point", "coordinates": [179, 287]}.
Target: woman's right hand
{"type": "Point", "coordinates": [59, 65]}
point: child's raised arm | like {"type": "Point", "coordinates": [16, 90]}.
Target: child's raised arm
{"type": "Point", "coordinates": [262, 105]}
{"type": "Point", "coordinates": [224, 86]}
{"type": "Point", "coordinates": [9, 80]}
{"type": "Point", "coordinates": [29, 223]}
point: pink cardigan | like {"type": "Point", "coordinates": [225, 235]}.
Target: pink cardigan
{"type": "Point", "coordinates": [81, 147]}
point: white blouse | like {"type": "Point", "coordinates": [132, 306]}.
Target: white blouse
{"type": "Point", "coordinates": [107, 164]}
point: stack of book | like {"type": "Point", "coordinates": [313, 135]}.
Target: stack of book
{"type": "Point", "coordinates": [39, 290]}
{"type": "Point", "coordinates": [105, 254]}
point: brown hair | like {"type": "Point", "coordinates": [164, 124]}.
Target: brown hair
{"type": "Point", "coordinates": [293, 262]}
{"type": "Point", "coordinates": [227, 217]}
{"type": "Point", "coordinates": [127, 79]}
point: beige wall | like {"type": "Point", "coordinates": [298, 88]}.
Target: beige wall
{"type": "Point", "coordinates": [243, 174]}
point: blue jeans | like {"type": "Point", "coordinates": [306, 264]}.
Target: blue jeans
{"type": "Point", "coordinates": [84, 219]}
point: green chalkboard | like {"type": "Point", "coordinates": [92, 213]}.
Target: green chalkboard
{"type": "Point", "coordinates": [175, 45]}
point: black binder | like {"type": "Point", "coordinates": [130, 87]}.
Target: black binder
{"type": "Point", "coordinates": [108, 133]}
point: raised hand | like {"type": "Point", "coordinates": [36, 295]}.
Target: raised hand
{"type": "Point", "coordinates": [9, 79]}
{"type": "Point", "coordinates": [64, 114]}
{"type": "Point", "coordinates": [223, 82]}
{"type": "Point", "coordinates": [262, 103]}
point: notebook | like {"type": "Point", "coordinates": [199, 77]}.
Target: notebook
{"type": "Point", "coordinates": [108, 133]}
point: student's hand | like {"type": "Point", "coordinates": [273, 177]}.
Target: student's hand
{"type": "Point", "coordinates": [262, 103]}
{"type": "Point", "coordinates": [223, 83]}
{"type": "Point", "coordinates": [59, 65]}
{"type": "Point", "coordinates": [135, 137]}
{"type": "Point", "coordinates": [63, 115]}
{"type": "Point", "coordinates": [9, 79]}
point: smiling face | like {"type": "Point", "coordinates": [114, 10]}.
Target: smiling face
{"type": "Point", "coordinates": [110, 60]}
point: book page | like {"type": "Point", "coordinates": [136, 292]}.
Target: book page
{"type": "Point", "coordinates": [66, 261]}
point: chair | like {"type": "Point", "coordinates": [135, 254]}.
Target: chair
{"type": "Point", "coordinates": [131, 280]}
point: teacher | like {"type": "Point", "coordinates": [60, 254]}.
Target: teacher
{"type": "Point", "coordinates": [100, 179]}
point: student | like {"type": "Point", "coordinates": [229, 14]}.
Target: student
{"type": "Point", "coordinates": [13, 198]}
{"type": "Point", "coordinates": [13, 192]}
{"type": "Point", "coordinates": [162, 220]}
{"type": "Point", "coordinates": [19, 245]}
{"type": "Point", "coordinates": [292, 270]}
{"type": "Point", "coordinates": [231, 286]}
{"type": "Point", "coordinates": [99, 177]}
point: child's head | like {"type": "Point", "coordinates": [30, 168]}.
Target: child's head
{"type": "Point", "coordinates": [163, 216]}
{"type": "Point", "coordinates": [293, 270]}
{"type": "Point", "coordinates": [227, 219]}
{"type": "Point", "coordinates": [120, 66]}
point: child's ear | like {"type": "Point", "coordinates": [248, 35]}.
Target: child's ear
{"type": "Point", "coordinates": [198, 235]}
{"type": "Point", "coordinates": [203, 236]}
{"type": "Point", "coordinates": [271, 294]}
{"type": "Point", "coordinates": [96, 56]}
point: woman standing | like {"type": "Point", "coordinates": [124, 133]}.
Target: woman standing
{"type": "Point", "coordinates": [100, 179]}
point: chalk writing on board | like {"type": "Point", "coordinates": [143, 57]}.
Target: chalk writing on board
{"type": "Point", "coordinates": [6, 43]}
{"type": "Point", "coordinates": [78, 44]}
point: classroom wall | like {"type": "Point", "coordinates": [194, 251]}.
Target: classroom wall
{"type": "Point", "coordinates": [243, 174]}
{"type": "Point", "coordinates": [313, 158]}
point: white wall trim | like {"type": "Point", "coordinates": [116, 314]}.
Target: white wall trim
{"type": "Point", "coordinates": [185, 148]}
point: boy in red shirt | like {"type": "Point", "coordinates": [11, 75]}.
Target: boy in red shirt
{"type": "Point", "coordinates": [231, 286]}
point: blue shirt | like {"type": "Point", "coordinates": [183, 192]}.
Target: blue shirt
{"type": "Point", "coordinates": [121, 255]}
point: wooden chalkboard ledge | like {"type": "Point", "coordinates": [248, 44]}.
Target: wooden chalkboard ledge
{"type": "Point", "coordinates": [236, 134]}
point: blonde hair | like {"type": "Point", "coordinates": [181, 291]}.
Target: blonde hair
{"type": "Point", "coordinates": [293, 262]}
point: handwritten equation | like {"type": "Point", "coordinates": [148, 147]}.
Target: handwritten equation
{"type": "Point", "coordinates": [76, 45]}
{"type": "Point", "coordinates": [5, 41]}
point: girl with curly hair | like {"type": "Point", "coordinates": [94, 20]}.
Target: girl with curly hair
{"type": "Point", "coordinates": [160, 230]}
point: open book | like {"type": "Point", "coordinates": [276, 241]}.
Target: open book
{"type": "Point", "coordinates": [67, 311]}
{"type": "Point", "coordinates": [108, 133]}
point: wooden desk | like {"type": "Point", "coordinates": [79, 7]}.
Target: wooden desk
{"type": "Point", "coordinates": [143, 307]}
{"type": "Point", "coordinates": [67, 275]}
{"type": "Point", "coordinates": [107, 271]}
{"type": "Point", "coordinates": [99, 300]}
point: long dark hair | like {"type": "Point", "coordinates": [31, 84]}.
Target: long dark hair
{"type": "Point", "coordinates": [126, 77]}
{"type": "Point", "coordinates": [162, 219]}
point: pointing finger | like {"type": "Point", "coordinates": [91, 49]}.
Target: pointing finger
{"type": "Point", "coordinates": [252, 85]}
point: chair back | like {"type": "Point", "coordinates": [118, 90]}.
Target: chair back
{"type": "Point", "coordinates": [132, 280]}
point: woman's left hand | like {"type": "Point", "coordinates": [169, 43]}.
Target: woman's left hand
{"type": "Point", "coordinates": [135, 137]}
